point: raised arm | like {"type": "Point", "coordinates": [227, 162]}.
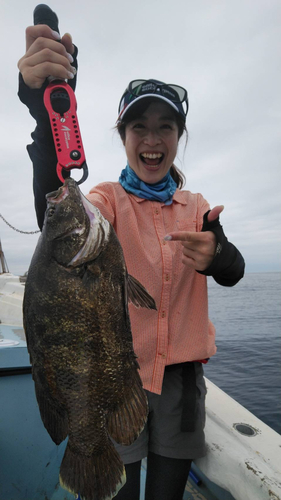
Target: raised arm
{"type": "Point", "coordinates": [44, 56]}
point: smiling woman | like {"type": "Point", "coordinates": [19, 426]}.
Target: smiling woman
{"type": "Point", "coordinates": [147, 204]}
{"type": "Point", "coordinates": [136, 118]}
{"type": "Point", "coordinates": [151, 143]}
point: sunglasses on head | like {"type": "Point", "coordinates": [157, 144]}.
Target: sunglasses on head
{"type": "Point", "coordinates": [139, 88]}
{"type": "Point", "coordinates": [174, 93]}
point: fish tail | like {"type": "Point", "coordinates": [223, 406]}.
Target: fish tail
{"type": "Point", "coordinates": [126, 423]}
{"type": "Point", "coordinates": [96, 477]}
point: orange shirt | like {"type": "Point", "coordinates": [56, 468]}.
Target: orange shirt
{"type": "Point", "coordinates": [180, 329]}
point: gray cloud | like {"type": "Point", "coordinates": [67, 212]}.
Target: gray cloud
{"type": "Point", "coordinates": [225, 53]}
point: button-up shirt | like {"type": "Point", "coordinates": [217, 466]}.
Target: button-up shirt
{"type": "Point", "coordinates": [179, 330]}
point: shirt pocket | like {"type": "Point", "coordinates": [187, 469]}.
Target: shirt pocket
{"type": "Point", "coordinates": [186, 225]}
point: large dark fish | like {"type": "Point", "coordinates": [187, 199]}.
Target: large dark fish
{"type": "Point", "coordinates": [79, 339]}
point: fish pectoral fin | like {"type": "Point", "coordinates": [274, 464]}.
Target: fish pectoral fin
{"type": "Point", "coordinates": [138, 295]}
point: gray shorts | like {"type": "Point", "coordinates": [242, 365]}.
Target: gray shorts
{"type": "Point", "coordinates": [162, 434]}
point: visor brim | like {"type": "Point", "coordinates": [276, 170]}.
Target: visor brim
{"type": "Point", "coordinates": [154, 96]}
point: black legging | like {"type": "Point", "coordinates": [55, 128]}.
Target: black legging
{"type": "Point", "coordinates": [165, 479]}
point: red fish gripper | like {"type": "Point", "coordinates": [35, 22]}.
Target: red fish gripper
{"type": "Point", "coordinates": [60, 103]}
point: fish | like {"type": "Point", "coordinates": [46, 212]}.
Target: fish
{"type": "Point", "coordinates": [78, 330]}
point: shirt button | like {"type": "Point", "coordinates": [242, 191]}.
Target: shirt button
{"type": "Point", "coordinates": [156, 211]}
{"type": "Point", "coordinates": [164, 242]}
{"type": "Point", "coordinates": [167, 277]}
{"type": "Point", "coordinates": [163, 314]}
{"type": "Point", "coordinates": [163, 355]}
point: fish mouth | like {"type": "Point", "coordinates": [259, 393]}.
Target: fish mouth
{"type": "Point", "coordinates": [56, 197]}
{"type": "Point", "coordinates": [59, 195]}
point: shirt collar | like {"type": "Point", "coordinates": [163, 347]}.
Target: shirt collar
{"type": "Point", "coordinates": [178, 196]}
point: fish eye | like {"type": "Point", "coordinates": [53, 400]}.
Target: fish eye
{"type": "Point", "coordinates": [51, 211]}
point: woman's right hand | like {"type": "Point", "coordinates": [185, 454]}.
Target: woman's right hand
{"type": "Point", "coordinates": [45, 56]}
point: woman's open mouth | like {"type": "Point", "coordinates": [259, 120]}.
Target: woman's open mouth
{"type": "Point", "coordinates": [152, 159]}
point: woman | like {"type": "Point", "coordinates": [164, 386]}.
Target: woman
{"type": "Point", "coordinates": [171, 241]}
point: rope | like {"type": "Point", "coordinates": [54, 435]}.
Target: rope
{"type": "Point", "coordinates": [18, 230]}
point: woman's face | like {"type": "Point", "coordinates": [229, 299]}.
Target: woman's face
{"type": "Point", "coordinates": [151, 142]}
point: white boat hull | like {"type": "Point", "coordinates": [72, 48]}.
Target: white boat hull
{"type": "Point", "coordinates": [249, 466]}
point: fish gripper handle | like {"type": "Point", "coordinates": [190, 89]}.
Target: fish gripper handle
{"type": "Point", "coordinates": [60, 103]}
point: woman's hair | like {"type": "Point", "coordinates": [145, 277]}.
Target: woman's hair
{"type": "Point", "coordinates": [136, 112]}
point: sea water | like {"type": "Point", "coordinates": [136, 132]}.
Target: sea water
{"type": "Point", "coordinates": [247, 365]}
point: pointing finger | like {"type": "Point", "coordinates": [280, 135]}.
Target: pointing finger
{"type": "Point", "coordinates": [180, 236]}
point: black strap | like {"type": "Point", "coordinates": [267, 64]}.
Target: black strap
{"type": "Point", "coordinates": [188, 394]}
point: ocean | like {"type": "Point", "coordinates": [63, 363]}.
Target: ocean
{"type": "Point", "coordinates": [247, 364]}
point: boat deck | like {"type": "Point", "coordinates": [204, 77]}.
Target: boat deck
{"type": "Point", "coordinates": [31, 467]}
{"type": "Point", "coordinates": [245, 462]}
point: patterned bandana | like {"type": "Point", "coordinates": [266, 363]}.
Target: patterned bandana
{"type": "Point", "coordinates": [160, 191]}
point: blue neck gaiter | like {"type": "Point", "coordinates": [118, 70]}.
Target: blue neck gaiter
{"type": "Point", "coordinates": [160, 191]}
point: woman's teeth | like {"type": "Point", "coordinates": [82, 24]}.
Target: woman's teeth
{"type": "Point", "coordinates": [151, 158]}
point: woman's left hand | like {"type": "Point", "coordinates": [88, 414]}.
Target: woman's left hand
{"type": "Point", "coordinates": [198, 248]}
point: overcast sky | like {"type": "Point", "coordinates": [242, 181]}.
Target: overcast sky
{"type": "Point", "coordinates": [225, 53]}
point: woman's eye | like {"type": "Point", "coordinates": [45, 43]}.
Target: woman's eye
{"type": "Point", "coordinates": [167, 126]}
{"type": "Point", "coordinates": [138, 125]}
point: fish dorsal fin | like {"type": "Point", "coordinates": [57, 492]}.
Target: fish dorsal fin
{"type": "Point", "coordinates": [138, 295]}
